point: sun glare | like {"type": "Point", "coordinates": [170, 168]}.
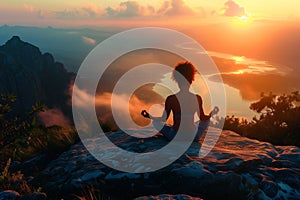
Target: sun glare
{"type": "Point", "coordinates": [238, 59]}
{"type": "Point", "coordinates": [243, 18]}
{"type": "Point", "coordinates": [242, 21]}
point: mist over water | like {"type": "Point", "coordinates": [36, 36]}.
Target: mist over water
{"type": "Point", "coordinates": [70, 46]}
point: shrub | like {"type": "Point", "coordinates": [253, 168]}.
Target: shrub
{"type": "Point", "coordinates": [278, 120]}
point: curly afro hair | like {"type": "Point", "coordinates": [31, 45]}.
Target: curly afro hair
{"type": "Point", "coordinates": [184, 69]}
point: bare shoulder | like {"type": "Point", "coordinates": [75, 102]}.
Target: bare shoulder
{"type": "Point", "coordinates": [171, 97]}
{"type": "Point", "coordinates": [171, 100]}
{"type": "Point", "coordinates": [198, 96]}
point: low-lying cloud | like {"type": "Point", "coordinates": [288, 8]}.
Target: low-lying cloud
{"type": "Point", "coordinates": [122, 107]}
{"type": "Point", "coordinates": [52, 117]}
{"type": "Point", "coordinates": [89, 40]}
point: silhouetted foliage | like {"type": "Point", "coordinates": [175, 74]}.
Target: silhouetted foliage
{"type": "Point", "coordinates": [23, 137]}
{"type": "Point", "coordinates": [278, 120]}
{"type": "Point", "coordinates": [11, 126]}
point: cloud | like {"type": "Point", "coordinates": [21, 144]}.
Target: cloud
{"type": "Point", "coordinates": [177, 8]}
{"type": "Point", "coordinates": [135, 9]}
{"type": "Point", "coordinates": [40, 14]}
{"type": "Point", "coordinates": [33, 10]}
{"type": "Point", "coordinates": [88, 10]}
{"type": "Point", "coordinates": [233, 9]}
{"type": "Point", "coordinates": [103, 104]}
{"type": "Point", "coordinates": [164, 7]}
{"type": "Point", "coordinates": [88, 40]}
{"type": "Point", "coordinates": [51, 117]}
{"type": "Point", "coordinates": [125, 9]}
{"type": "Point", "coordinates": [142, 98]}
{"type": "Point", "coordinates": [150, 9]}
{"type": "Point", "coordinates": [29, 8]}
{"type": "Point", "coordinates": [130, 9]}
{"type": "Point", "coordinates": [67, 14]}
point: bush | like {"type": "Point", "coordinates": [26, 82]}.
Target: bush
{"type": "Point", "coordinates": [278, 122]}
{"type": "Point", "coordinates": [13, 126]}
{"type": "Point", "coordinates": [22, 138]}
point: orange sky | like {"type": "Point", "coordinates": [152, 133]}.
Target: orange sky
{"type": "Point", "coordinates": [78, 12]}
{"type": "Point", "coordinates": [231, 26]}
{"type": "Point", "coordinates": [256, 36]}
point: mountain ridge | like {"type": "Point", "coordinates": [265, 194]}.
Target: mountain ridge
{"type": "Point", "coordinates": [32, 76]}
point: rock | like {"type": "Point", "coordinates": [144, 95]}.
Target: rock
{"type": "Point", "coordinates": [270, 188]}
{"type": "Point", "coordinates": [9, 195]}
{"type": "Point", "coordinates": [236, 168]}
{"type": "Point", "coordinates": [92, 175]}
{"type": "Point", "coordinates": [168, 197]}
{"type": "Point", "coordinates": [119, 176]}
{"type": "Point", "coordinates": [32, 166]}
{"type": "Point", "coordinates": [35, 196]}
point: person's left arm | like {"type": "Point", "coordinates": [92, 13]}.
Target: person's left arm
{"type": "Point", "coordinates": [201, 114]}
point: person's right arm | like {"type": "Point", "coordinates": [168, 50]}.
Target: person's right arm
{"type": "Point", "coordinates": [165, 114]}
{"type": "Point", "coordinates": [168, 107]}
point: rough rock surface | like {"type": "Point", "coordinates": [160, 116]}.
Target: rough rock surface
{"type": "Point", "coordinates": [9, 194]}
{"type": "Point", "coordinates": [13, 195]}
{"type": "Point", "coordinates": [236, 168]}
{"type": "Point", "coordinates": [168, 197]}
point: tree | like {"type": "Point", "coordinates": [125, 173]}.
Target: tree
{"type": "Point", "coordinates": [279, 119]}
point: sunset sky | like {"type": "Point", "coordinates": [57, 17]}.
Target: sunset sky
{"type": "Point", "coordinates": [254, 43]}
{"type": "Point", "coordinates": [92, 12]}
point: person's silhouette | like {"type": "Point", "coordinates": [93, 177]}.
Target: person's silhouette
{"type": "Point", "coordinates": [183, 74]}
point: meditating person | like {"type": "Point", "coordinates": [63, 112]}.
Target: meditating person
{"type": "Point", "coordinates": [183, 74]}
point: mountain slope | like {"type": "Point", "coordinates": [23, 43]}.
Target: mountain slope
{"type": "Point", "coordinates": [32, 76]}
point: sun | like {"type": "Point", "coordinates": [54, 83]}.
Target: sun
{"type": "Point", "coordinates": [242, 21]}
{"type": "Point", "coordinates": [244, 18]}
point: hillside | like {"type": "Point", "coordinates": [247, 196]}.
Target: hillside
{"type": "Point", "coordinates": [32, 76]}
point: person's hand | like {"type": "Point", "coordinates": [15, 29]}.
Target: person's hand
{"type": "Point", "coordinates": [145, 114]}
{"type": "Point", "coordinates": [214, 111]}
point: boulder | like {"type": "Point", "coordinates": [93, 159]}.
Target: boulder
{"type": "Point", "coordinates": [9, 195]}
{"type": "Point", "coordinates": [236, 168]}
{"type": "Point", "coordinates": [168, 197]}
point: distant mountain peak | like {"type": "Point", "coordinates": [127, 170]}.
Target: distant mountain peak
{"type": "Point", "coordinates": [15, 37]}
{"type": "Point", "coordinates": [14, 41]}
{"type": "Point", "coordinates": [22, 52]}
{"type": "Point", "coordinates": [32, 76]}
